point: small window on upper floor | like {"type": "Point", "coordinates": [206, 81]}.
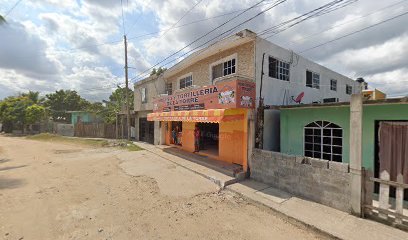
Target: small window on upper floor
{"type": "Point", "coordinates": [224, 69]}
{"type": "Point", "coordinates": [278, 69]}
{"type": "Point", "coordinates": [186, 82]}
{"type": "Point", "coordinates": [349, 89]}
{"type": "Point", "coordinates": [312, 79]}
{"type": "Point", "coordinates": [168, 88]}
{"type": "Point", "coordinates": [333, 84]}
{"type": "Point", "coordinates": [143, 95]}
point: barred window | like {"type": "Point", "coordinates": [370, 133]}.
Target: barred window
{"type": "Point", "coordinates": [333, 85]}
{"type": "Point", "coordinates": [312, 79]}
{"type": "Point", "coordinates": [168, 88]}
{"type": "Point", "coordinates": [323, 140]}
{"type": "Point", "coordinates": [278, 69]}
{"type": "Point", "coordinates": [186, 82]}
{"type": "Point", "coordinates": [224, 69]}
{"type": "Point", "coordinates": [349, 89]}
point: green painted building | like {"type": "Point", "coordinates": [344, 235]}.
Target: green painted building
{"type": "Point", "coordinates": [323, 130]}
{"type": "Point", "coordinates": [84, 117]}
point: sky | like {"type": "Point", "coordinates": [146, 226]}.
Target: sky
{"type": "Point", "coordinates": [48, 45]}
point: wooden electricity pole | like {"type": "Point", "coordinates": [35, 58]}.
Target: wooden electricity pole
{"type": "Point", "coordinates": [126, 90]}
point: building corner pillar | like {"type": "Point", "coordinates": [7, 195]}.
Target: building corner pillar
{"type": "Point", "coordinates": [356, 135]}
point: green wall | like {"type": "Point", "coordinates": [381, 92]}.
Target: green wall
{"type": "Point", "coordinates": [85, 117]}
{"type": "Point", "coordinates": [371, 113]}
{"type": "Point", "coordinates": [293, 121]}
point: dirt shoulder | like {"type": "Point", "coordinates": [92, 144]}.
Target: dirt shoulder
{"type": "Point", "coordinates": [55, 190]}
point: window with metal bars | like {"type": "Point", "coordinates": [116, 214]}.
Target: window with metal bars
{"type": "Point", "coordinates": [278, 69]}
{"type": "Point", "coordinates": [186, 82]}
{"type": "Point", "coordinates": [323, 140]}
{"type": "Point", "coordinates": [312, 79]}
{"type": "Point", "coordinates": [224, 69]}
{"type": "Point", "coordinates": [168, 88]}
{"type": "Point", "coordinates": [349, 89]}
{"type": "Point", "coordinates": [333, 84]}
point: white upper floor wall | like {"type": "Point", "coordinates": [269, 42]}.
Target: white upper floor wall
{"type": "Point", "coordinates": [285, 77]}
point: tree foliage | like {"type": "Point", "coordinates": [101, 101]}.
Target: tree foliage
{"type": "Point", "coordinates": [117, 103]}
{"type": "Point", "coordinates": [158, 71]}
{"type": "Point", "coordinates": [61, 101]}
{"type": "Point", "coordinates": [18, 111]}
{"type": "Point", "coordinates": [2, 20]}
{"type": "Point", "coordinates": [34, 113]}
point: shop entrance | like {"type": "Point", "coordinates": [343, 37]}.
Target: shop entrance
{"type": "Point", "coordinates": [146, 131]}
{"type": "Point", "coordinates": [176, 133]}
{"type": "Point", "coordinates": [209, 140]}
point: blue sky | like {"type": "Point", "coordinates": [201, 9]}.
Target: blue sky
{"type": "Point", "coordinates": [51, 44]}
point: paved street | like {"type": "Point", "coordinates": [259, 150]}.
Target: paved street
{"type": "Point", "coordinates": [65, 191]}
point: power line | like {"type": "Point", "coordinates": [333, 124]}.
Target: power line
{"type": "Point", "coordinates": [214, 29]}
{"type": "Point", "coordinates": [12, 8]}
{"type": "Point", "coordinates": [172, 27]}
{"type": "Point", "coordinates": [350, 21]}
{"type": "Point", "coordinates": [355, 32]}
{"type": "Point", "coordinates": [193, 22]}
{"type": "Point", "coordinates": [317, 12]}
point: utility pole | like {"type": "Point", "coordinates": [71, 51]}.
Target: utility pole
{"type": "Point", "coordinates": [126, 91]}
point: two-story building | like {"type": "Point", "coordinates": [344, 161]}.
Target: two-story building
{"type": "Point", "coordinates": [217, 89]}
{"type": "Point", "coordinates": [145, 91]}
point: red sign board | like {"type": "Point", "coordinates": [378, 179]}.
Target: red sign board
{"type": "Point", "coordinates": [223, 95]}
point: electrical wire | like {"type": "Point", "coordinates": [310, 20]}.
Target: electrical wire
{"type": "Point", "coordinates": [214, 29]}
{"type": "Point", "coordinates": [347, 22]}
{"type": "Point", "coordinates": [355, 32]}
{"type": "Point", "coordinates": [12, 8]}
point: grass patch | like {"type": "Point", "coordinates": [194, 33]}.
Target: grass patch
{"type": "Point", "coordinates": [132, 147]}
{"type": "Point", "coordinates": [56, 138]}
{"type": "Point", "coordinates": [122, 144]}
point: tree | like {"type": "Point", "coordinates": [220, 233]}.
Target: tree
{"type": "Point", "coordinates": [34, 97]}
{"type": "Point", "coordinates": [158, 71]}
{"type": "Point", "coordinates": [13, 112]}
{"type": "Point", "coordinates": [33, 114]}
{"type": "Point", "coordinates": [117, 103]}
{"type": "Point", "coordinates": [2, 20]}
{"type": "Point", "coordinates": [61, 101]}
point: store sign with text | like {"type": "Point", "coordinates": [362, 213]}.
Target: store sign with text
{"type": "Point", "coordinates": [223, 95]}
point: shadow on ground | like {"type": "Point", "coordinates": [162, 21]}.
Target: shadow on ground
{"type": "Point", "coordinates": [12, 167]}
{"type": "Point", "coordinates": [10, 183]}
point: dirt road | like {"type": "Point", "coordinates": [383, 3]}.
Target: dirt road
{"type": "Point", "coordinates": [61, 191]}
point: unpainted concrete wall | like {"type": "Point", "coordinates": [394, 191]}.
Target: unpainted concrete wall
{"type": "Point", "coordinates": [64, 129]}
{"type": "Point", "coordinates": [322, 181]}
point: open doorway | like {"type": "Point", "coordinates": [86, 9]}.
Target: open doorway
{"type": "Point", "coordinates": [209, 139]}
{"type": "Point", "coordinates": [176, 133]}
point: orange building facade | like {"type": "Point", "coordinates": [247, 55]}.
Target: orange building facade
{"type": "Point", "coordinates": [221, 114]}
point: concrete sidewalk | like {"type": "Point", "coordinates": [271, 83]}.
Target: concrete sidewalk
{"type": "Point", "coordinates": [197, 164]}
{"type": "Point", "coordinates": [328, 220]}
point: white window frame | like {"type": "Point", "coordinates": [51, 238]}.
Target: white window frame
{"type": "Point", "coordinates": [314, 85]}
{"type": "Point", "coordinates": [349, 86]}
{"type": "Point", "coordinates": [279, 70]}
{"type": "Point", "coordinates": [166, 88]}
{"type": "Point", "coordinates": [335, 86]}
{"type": "Point", "coordinates": [143, 95]}
{"type": "Point", "coordinates": [222, 61]}
{"type": "Point", "coordinates": [323, 127]}
{"type": "Point", "coordinates": [185, 76]}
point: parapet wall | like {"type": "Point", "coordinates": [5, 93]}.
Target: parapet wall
{"type": "Point", "coordinates": [322, 181]}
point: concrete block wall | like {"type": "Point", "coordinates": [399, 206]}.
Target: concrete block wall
{"type": "Point", "coordinates": [322, 181]}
